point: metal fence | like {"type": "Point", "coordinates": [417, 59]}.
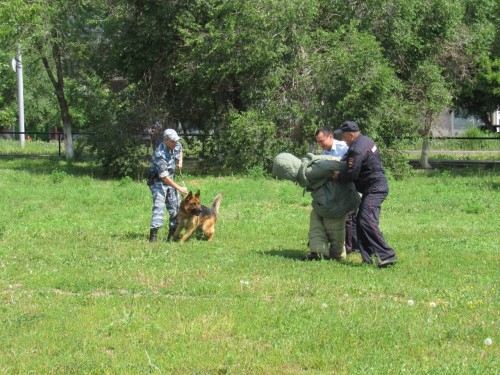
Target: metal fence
{"type": "Point", "coordinates": [58, 137]}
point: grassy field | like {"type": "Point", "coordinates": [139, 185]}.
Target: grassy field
{"type": "Point", "coordinates": [82, 291]}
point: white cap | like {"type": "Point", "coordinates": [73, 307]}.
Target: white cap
{"type": "Point", "coordinates": [171, 134]}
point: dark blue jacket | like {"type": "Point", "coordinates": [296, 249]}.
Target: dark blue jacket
{"type": "Point", "coordinates": [364, 167]}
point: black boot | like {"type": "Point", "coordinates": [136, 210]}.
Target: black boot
{"type": "Point", "coordinates": [152, 234]}
{"type": "Point", "coordinates": [171, 232]}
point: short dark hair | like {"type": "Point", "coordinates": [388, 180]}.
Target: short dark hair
{"type": "Point", "coordinates": [325, 130]}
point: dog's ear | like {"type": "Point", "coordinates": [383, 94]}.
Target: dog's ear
{"type": "Point", "coordinates": [190, 194]}
{"type": "Point", "coordinates": [197, 194]}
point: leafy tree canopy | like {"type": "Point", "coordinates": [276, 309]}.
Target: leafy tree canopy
{"type": "Point", "coordinates": [230, 68]}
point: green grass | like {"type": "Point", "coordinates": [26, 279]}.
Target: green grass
{"type": "Point", "coordinates": [485, 147]}
{"type": "Point", "coordinates": [82, 291]}
{"type": "Point", "coordinates": [492, 144]}
{"type": "Point", "coordinates": [12, 147]}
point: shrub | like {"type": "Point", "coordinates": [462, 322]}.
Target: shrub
{"type": "Point", "coordinates": [58, 176]}
{"type": "Point", "coordinates": [116, 133]}
{"type": "Point", "coordinates": [396, 164]}
{"type": "Point", "coordinates": [249, 141]}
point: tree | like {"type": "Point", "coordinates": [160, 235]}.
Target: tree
{"type": "Point", "coordinates": [226, 67]}
{"type": "Point", "coordinates": [431, 96]}
{"type": "Point", "coordinates": [478, 90]}
{"type": "Point", "coordinates": [52, 32]}
{"type": "Point", "coordinates": [481, 96]}
{"type": "Point", "coordinates": [433, 46]}
{"type": "Point", "coordinates": [140, 42]}
{"type": "Point", "coordinates": [8, 106]}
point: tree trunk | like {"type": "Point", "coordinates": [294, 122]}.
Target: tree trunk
{"type": "Point", "coordinates": [424, 158]}
{"type": "Point", "coordinates": [58, 84]}
{"type": "Point", "coordinates": [67, 128]}
{"type": "Point", "coordinates": [487, 123]}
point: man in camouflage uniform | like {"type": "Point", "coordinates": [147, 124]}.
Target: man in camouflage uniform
{"type": "Point", "coordinates": [161, 182]}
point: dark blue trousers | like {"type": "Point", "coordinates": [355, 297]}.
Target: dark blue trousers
{"type": "Point", "coordinates": [370, 239]}
{"type": "Point", "coordinates": [351, 235]}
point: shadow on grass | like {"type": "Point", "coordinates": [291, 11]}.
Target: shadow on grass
{"type": "Point", "coordinates": [162, 236]}
{"type": "Point", "coordinates": [353, 259]}
{"type": "Point", "coordinates": [290, 254]}
{"type": "Point", "coordinates": [129, 236]}
{"type": "Point", "coordinates": [46, 164]}
{"type": "Point", "coordinates": [88, 166]}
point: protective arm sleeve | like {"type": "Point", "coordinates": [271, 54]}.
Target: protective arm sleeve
{"type": "Point", "coordinates": [317, 169]}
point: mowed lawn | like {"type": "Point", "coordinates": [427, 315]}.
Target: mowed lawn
{"type": "Point", "coordinates": [82, 291]}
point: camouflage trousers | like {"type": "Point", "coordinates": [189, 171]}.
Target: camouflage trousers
{"type": "Point", "coordinates": [164, 197]}
{"type": "Point", "coordinates": [327, 236]}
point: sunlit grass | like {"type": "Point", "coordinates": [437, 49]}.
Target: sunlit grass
{"type": "Point", "coordinates": [10, 147]}
{"type": "Point", "coordinates": [82, 291]}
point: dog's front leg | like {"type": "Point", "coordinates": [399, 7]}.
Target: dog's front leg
{"type": "Point", "coordinates": [177, 231]}
{"type": "Point", "coordinates": [187, 234]}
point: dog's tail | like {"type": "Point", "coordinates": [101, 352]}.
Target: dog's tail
{"type": "Point", "coordinates": [216, 203]}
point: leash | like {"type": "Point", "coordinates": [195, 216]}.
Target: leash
{"type": "Point", "coordinates": [182, 178]}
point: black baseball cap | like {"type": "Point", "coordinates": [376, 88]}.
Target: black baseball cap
{"type": "Point", "coordinates": [348, 126]}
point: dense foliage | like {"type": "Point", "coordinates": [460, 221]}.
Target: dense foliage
{"type": "Point", "coordinates": [257, 77]}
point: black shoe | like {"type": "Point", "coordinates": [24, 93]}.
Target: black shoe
{"type": "Point", "coordinates": [391, 261]}
{"type": "Point", "coordinates": [315, 256]}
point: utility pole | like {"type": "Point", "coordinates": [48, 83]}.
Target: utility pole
{"type": "Point", "coordinates": [20, 94]}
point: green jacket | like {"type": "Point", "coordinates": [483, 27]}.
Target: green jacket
{"type": "Point", "coordinates": [330, 199]}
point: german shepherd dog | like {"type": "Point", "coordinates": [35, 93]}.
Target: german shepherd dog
{"type": "Point", "coordinates": [195, 216]}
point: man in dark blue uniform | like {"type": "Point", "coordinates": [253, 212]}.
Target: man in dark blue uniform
{"type": "Point", "coordinates": [364, 168]}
